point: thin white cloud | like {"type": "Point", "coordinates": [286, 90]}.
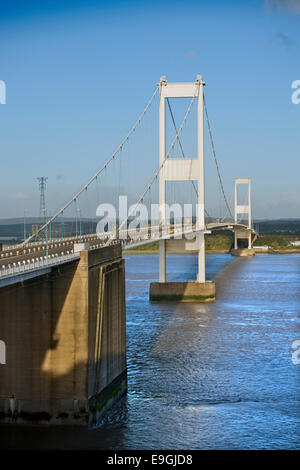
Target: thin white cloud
{"type": "Point", "coordinates": [293, 6]}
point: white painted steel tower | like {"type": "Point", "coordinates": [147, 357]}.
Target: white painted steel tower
{"type": "Point", "coordinates": [242, 209]}
{"type": "Point", "coordinates": [182, 169]}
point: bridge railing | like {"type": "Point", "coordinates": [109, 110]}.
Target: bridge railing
{"type": "Point", "coordinates": [50, 241]}
{"type": "Point", "coordinates": [36, 264]}
{"type": "Point", "coordinates": [155, 232]}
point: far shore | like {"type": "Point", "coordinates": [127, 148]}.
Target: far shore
{"type": "Point", "coordinates": [208, 252]}
{"type": "Point", "coordinates": [156, 252]}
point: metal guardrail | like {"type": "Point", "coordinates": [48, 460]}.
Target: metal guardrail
{"type": "Point", "coordinates": [50, 241]}
{"type": "Point", "coordinates": [53, 260]}
{"type": "Point", "coordinates": [151, 234]}
{"type": "Point", "coordinates": [154, 234]}
{"type": "Point", "coordinates": [24, 268]}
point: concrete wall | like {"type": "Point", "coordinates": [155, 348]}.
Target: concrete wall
{"type": "Point", "coordinates": [49, 327]}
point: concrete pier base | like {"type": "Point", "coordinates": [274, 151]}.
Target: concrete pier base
{"type": "Point", "coordinates": [65, 339]}
{"type": "Point", "coordinates": [183, 291]}
{"type": "Point", "coordinates": [103, 401]}
{"type": "Point", "coordinates": [243, 252]}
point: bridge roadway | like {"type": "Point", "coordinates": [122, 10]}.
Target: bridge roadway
{"type": "Point", "coordinates": [148, 235]}
{"type": "Point", "coordinates": [19, 255]}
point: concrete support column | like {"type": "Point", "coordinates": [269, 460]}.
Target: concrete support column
{"type": "Point", "coordinates": [201, 258]}
{"type": "Point", "coordinates": [249, 242]}
{"type": "Point", "coordinates": [235, 241]}
{"type": "Point", "coordinates": [200, 215]}
{"type": "Point", "coordinates": [162, 183]}
{"type": "Point", "coordinates": [162, 261]}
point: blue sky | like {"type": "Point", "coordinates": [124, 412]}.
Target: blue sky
{"type": "Point", "coordinates": [79, 73]}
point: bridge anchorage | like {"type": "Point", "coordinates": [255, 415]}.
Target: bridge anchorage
{"type": "Point", "coordinates": [192, 169]}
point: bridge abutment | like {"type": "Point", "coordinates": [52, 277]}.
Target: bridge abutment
{"type": "Point", "coordinates": [65, 340]}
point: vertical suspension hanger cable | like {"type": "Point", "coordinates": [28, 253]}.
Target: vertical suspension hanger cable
{"type": "Point", "coordinates": [215, 157]}
{"type": "Point", "coordinates": [98, 191]}
{"type": "Point", "coordinates": [159, 169]}
{"type": "Point", "coordinates": [120, 171]}
{"type": "Point", "coordinates": [99, 172]}
{"type": "Point", "coordinates": [219, 204]}
{"type": "Point", "coordinates": [181, 147]}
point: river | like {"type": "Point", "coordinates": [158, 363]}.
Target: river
{"type": "Point", "coordinates": [202, 376]}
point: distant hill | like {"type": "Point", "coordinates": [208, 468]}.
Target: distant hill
{"type": "Point", "coordinates": [279, 226]}
{"type": "Point", "coordinates": [14, 228]}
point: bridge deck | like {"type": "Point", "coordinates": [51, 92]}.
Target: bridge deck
{"type": "Point", "coordinates": [20, 258]}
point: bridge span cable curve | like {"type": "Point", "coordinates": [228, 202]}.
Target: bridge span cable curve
{"type": "Point", "coordinates": [98, 173]}
{"type": "Point", "coordinates": [215, 157]}
{"type": "Point", "coordinates": [159, 169]}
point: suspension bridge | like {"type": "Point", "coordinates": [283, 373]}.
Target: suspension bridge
{"type": "Point", "coordinates": [39, 250]}
{"type": "Point", "coordinates": [62, 299]}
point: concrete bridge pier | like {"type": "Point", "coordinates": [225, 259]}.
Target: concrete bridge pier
{"type": "Point", "coordinates": [243, 252]}
{"type": "Point", "coordinates": [65, 339]}
{"type": "Point", "coordinates": [191, 291]}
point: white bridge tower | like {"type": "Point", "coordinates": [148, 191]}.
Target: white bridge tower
{"type": "Point", "coordinates": [182, 169]}
{"type": "Point", "coordinates": [242, 209]}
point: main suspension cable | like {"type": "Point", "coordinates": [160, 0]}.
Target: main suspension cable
{"type": "Point", "coordinates": [108, 161]}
